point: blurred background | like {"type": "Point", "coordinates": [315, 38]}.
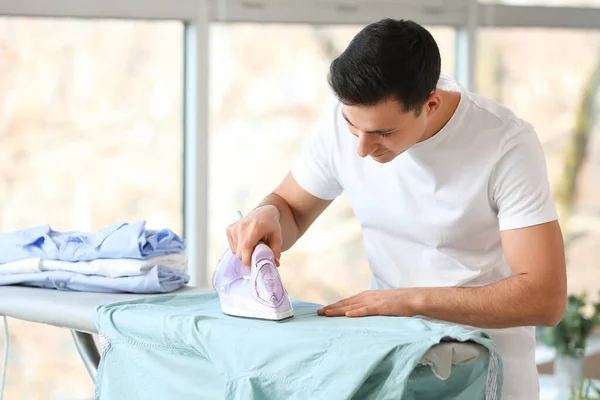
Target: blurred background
{"type": "Point", "coordinates": [93, 128]}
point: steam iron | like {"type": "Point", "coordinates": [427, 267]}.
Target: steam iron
{"type": "Point", "coordinates": [257, 293]}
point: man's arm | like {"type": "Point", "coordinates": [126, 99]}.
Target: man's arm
{"type": "Point", "coordinates": [297, 208]}
{"type": "Point", "coordinates": [534, 296]}
{"type": "Point", "coordinates": [279, 221]}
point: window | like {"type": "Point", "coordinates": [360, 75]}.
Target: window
{"type": "Point", "coordinates": [555, 3]}
{"type": "Point", "coordinates": [91, 133]}
{"type": "Point", "coordinates": [268, 86]}
{"type": "Point", "coordinates": [544, 75]}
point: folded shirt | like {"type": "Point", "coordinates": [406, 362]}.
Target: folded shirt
{"type": "Point", "coordinates": [187, 339]}
{"type": "Point", "coordinates": [118, 240]}
{"type": "Point", "coordinates": [157, 280]}
{"type": "Point", "coordinates": [104, 267]}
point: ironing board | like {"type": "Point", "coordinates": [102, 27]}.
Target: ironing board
{"type": "Point", "coordinates": [66, 309]}
{"type": "Point", "coordinates": [74, 311]}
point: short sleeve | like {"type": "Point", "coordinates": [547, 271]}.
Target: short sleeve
{"type": "Point", "coordinates": [520, 188]}
{"type": "Point", "coordinates": [314, 170]}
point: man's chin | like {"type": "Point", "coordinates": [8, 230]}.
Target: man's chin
{"type": "Point", "coordinates": [384, 157]}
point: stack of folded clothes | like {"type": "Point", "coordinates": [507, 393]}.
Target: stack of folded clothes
{"type": "Point", "coordinates": [122, 257]}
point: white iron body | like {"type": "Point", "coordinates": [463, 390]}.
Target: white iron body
{"type": "Point", "coordinates": [256, 293]}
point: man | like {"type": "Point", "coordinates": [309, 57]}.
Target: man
{"type": "Point", "coordinates": [450, 189]}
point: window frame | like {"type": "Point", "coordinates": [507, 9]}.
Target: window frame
{"type": "Point", "coordinates": [465, 16]}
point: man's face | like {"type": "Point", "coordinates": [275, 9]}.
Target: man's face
{"type": "Point", "coordinates": [385, 130]}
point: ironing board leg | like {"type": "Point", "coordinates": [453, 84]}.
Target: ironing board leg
{"type": "Point", "coordinates": [87, 351]}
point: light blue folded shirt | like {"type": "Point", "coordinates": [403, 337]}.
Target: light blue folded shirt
{"type": "Point", "coordinates": [159, 279]}
{"type": "Point", "coordinates": [118, 240]}
{"type": "Point", "coordinates": [181, 347]}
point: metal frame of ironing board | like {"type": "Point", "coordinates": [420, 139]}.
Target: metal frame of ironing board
{"type": "Point", "coordinates": [88, 351]}
{"type": "Point", "coordinates": [70, 310]}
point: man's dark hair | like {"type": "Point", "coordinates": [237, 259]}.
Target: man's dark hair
{"type": "Point", "coordinates": [389, 59]}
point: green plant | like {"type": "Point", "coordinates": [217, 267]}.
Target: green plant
{"type": "Point", "coordinates": [586, 391]}
{"type": "Point", "coordinates": [570, 335]}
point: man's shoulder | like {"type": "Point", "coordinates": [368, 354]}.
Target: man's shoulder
{"type": "Point", "coordinates": [488, 108]}
{"type": "Point", "coordinates": [514, 139]}
{"type": "Point", "coordinates": [499, 122]}
{"type": "Point", "coordinates": [480, 108]}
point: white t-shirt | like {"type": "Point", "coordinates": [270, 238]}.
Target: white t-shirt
{"type": "Point", "coordinates": [433, 215]}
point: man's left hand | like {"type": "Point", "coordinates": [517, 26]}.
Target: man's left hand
{"type": "Point", "coordinates": [389, 302]}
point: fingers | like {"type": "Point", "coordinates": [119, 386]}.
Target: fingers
{"type": "Point", "coordinates": [362, 312]}
{"type": "Point", "coordinates": [351, 310]}
{"type": "Point", "coordinates": [275, 244]}
{"type": "Point", "coordinates": [244, 235]}
{"type": "Point", "coordinates": [345, 302]}
{"type": "Point", "coordinates": [340, 308]}
{"type": "Point", "coordinates": [233, 235]}
{"type": "Point", "coordinates": [248, 245]}
{"type": "Point", "coordinates": [231, 238]}
{"type": "Point", "coordinates": [354, 306]}
{"type": "Point", "coordinates": [336, 312]}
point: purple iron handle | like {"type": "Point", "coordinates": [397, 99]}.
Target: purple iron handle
{"type": "Point", "coordinates": [266, 282]}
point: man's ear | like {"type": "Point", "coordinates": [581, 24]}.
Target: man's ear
{"type": "Point", "coordinates": [433, 103]}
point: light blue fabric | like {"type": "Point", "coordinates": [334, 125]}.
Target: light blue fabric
{"type": "Point", "coordinates": [118, 240]}
{"type": "Point", "coordinates": [159, 279]}
{"type": "Point", "coordinates": [182, 347]}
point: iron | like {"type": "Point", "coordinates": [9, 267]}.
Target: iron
{"type": "Point", "coordinates": [257, 293]}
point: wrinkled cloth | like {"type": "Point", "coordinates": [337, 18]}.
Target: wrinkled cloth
{"type": "Point", "coordinates": [104, 266]}
{"type": "Point", "coordinates": [184, 347]}
{"type": "Point", "coordinates": [118, 240]}
{"type": "Point", "coordinates": [157, 280]}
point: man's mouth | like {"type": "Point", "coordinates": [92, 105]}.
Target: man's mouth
{"type": "Point", "coordinates": [379, 154]}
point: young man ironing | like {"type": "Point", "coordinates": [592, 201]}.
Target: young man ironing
{"type": "Point", "coordinates": [451, 192]}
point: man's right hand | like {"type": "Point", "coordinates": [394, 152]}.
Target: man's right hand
{"type": "Point", "coordinates": [279, 221]}
{"type": "Point", "coordinates": [261, 224]}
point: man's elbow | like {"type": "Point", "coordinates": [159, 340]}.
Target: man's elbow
{"type": "Point", "coordinates": [552, 310]}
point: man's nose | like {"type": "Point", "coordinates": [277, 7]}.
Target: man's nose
{"type": "Point", "coordinates": [365, 145]}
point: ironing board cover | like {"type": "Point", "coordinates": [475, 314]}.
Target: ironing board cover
{"type": "Point", "coordinates": [182, 347]}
